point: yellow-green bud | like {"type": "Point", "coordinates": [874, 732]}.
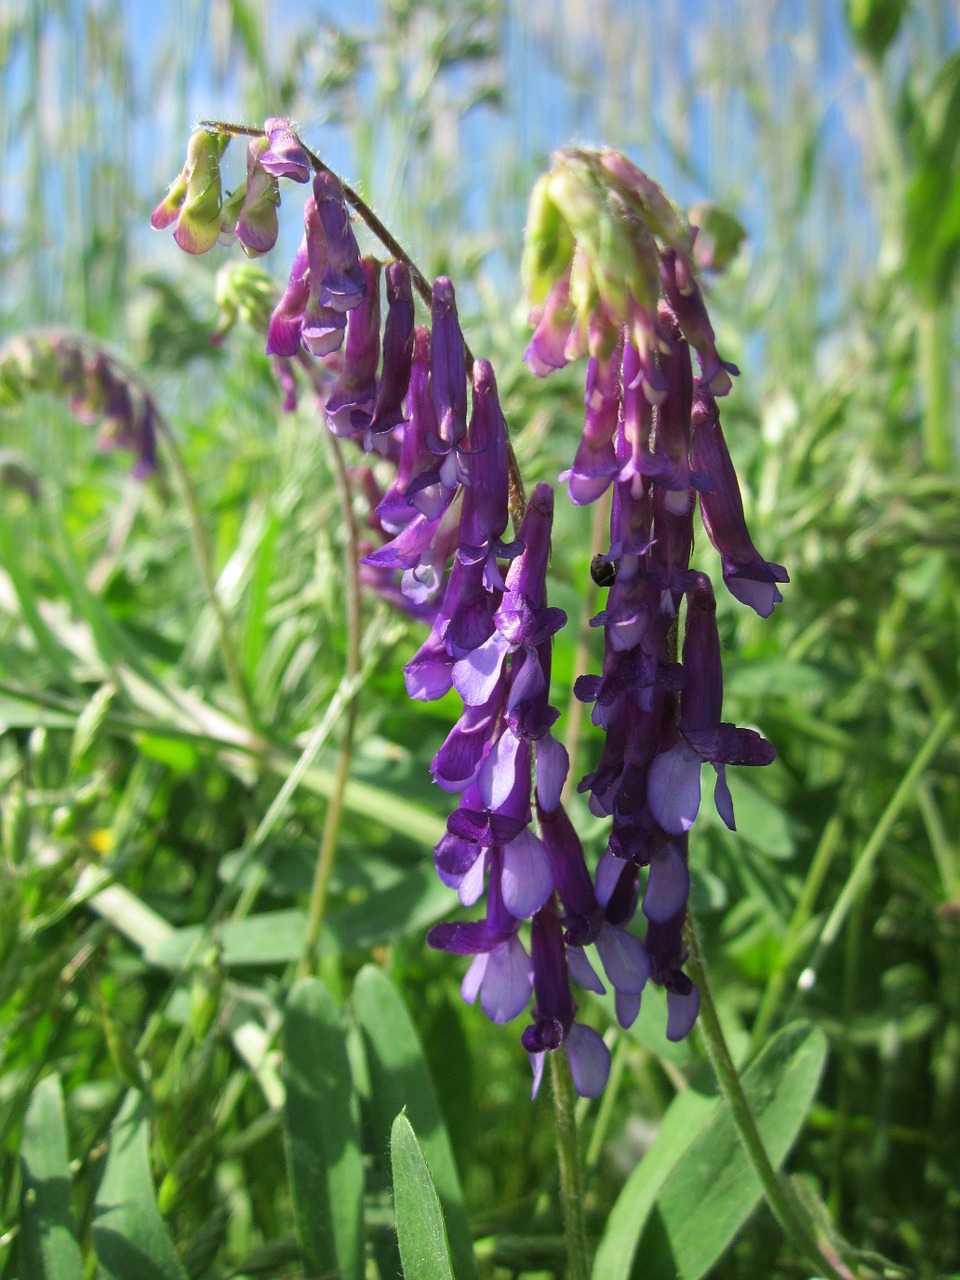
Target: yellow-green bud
{"type": "Point", "coordinates": [548, 243]}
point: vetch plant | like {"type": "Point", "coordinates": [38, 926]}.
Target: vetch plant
{"type": "Point", "coordinates": [609, 269]}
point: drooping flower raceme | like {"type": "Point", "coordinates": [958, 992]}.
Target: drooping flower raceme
{"type": "Point", "coordinates": [608, 264]}
{"type": "Point", "coordinates": [609, 268]}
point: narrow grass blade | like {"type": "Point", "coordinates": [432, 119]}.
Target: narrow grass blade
{"type": "Point", "coordinates": [48, 1248]}
{"type": "Point", "coordinates": [322, 1123]}
{"type": "Point", "coordinates": [129, 1234]}
{"type": "Point", "coordinates": [400, 1079]}
{"type": "Point", "coordinates": [424, 1250]}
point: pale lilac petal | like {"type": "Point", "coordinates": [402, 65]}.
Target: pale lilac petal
{"type": "Point", "coordinates": [471, 886]}
{"type": "Point", "coordinates": [682, 1013]}
{"type": "Point", "coordinates": [628, 1006]}
{"type": "Point", "coordinates": [498, 772]}
{"type": "Point", "coordinates": [668, 886]}
{"type": "Point", "coordinates": [673, 788]}
{"type": "Point", "coordinates": [475, 676]}
{"type": "Point", "coordinates": [536, 1062]}
{"type": "Point", "coordinates": [722, 797]}
{"type": "Point", "coordinates": [624, 958]}
{"type": "Point", "coordinates": [552, 765]}
{"type": "Point", "coordinates": [527, 879]}
{"type": "Point", "coordinates": [760, 596]}
{"type": "Point", "coordinates": [473, 978]}
{"type": "Point", "coordinates": [582, 971]}
{"type": "Point", "coordinates": [589, 1060]}
{"type": "Point", "coordinates": [508, 981]}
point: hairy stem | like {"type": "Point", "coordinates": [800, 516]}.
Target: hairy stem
{"type": "Point", "coordinates": [568, 1156]}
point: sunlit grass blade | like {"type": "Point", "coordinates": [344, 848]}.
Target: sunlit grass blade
{"type": "Point", "coordinates": [322, 1127]}
{"type": "Point", "coordinates": [129, 1234]}
{"type": "Point", "coordinates": [48, 1248]}
{"type": "Point", "coordinates": [400, 1079]}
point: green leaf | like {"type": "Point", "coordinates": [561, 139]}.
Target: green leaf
{"type": "Point", "coordinates": [322, 1125]}
{"type": "Point", "coordinates": [413, 902]}
{"type": "Point", "coordinates": [713, 1188]}
{"type": "Point", "coordinates": [48, 1249]}
{"type": "Point", "coordinates": [400, 1079]}
{"type": "Point", "coordinates": [129, 1235]}
{"type": "Point", "coordinates": [424, 1250]}
{"type": "Point", "coordinates": [683, 1121]}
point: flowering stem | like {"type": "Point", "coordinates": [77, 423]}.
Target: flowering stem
{"type": "Point", "coordinates": [780, 1196]}
{"type": "Point", "coordinates": [235, 674]}
{"type": "Point", "coordinates": [571, 1197]}
{"type": "Point", "coordinates": [419, 280]}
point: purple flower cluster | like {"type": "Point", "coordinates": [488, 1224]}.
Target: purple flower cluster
{"type": "Point", "coordinates": [609, 266]}
{"type": "Point", "coordinates": [100, 390]}
{"type": "Point", "coordinates": [652, 431]}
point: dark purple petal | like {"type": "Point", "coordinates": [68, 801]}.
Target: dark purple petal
{"type": "Point", "coordinates": [342, 284]}
{"type": "Point", "coordinates": [749, 578]}
{"type": "Point", "coordinates": [397, 349]}
{"type": "Point", "coordinates": [448, 365]}
{"type": "Point", "coordinates": [350, 404]}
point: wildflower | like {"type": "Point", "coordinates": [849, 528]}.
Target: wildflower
{"type": "Point", "coordinates": [284, 156]}
{"type": "Point", "coordinates": [257, 224]}
{"type": "Point", "coordinates": [194, 199]}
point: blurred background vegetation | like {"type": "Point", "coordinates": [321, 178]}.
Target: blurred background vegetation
{"type": "Point", "coordinates": [157, 855]}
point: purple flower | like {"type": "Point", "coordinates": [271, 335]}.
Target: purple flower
{"type": "Point", "coordinates": [448, 368]}
{"type": "Point", "coordinates": [750, 578]}
{"type": "Point", "coordinates": [687, 304]}
{"type": "Point", "coordinates": [502, 972]}
{"type": "Point", "coordinates": [286, 322]}
{"type": "Point", "coordinates": [397, 350]}
{"type": "Point", "coordinates": [674, 781]}
{"type": "Point", "coordinates": [342, 285]}
{"type": "Point", "coordinates": [257, 225]}
{"type": "Point", "coordinates": [554, 1011]}
{"type": "Point", "coordinates": [284, 156]}
{"type": "Point", "coordinates": [350, 404]}
{"type": "Point", "coordinates": [484, 515]}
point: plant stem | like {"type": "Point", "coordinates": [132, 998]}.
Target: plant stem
{"type": "Point", "coordinates": [420, 282]}
{"type": "Point", "coordinates": [779, 1194]}
{"type": "Point", "coordinates": [571, 1197]}
{"type": "Point", "coordinates": [201, 549]}
{"type": "Point", "coordinates": [331, 825]}
{"type": "Point", "coordinates": [933, 359]}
